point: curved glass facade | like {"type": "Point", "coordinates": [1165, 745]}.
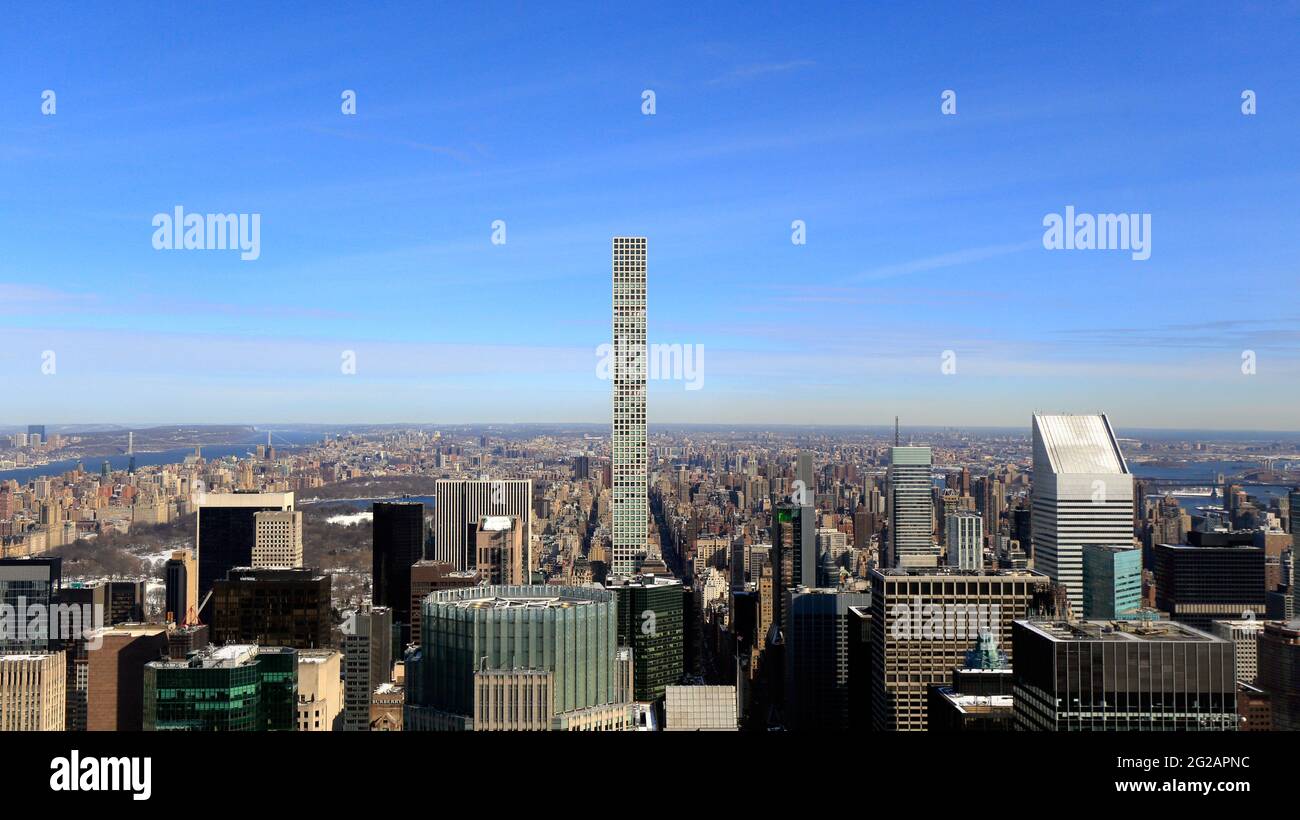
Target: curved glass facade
{"type": "Point", "coordinates": [570, 632]}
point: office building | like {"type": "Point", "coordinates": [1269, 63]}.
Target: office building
{"type": "Point", "coordinates": [630, 509]}
{"type": "Point", "coordinates": [1121, 676]}
{"type": "Point", "coordinates": [277, 539]}
{"type": "Point", "coordinates": [1112, 581]}
{"type": "Point", "coordinates": [964, 538]}
{"type": "Point", "coordinates": [651, 621]}
{"type": "Point", "coordinates": [227, 531]}
{"type": "Point", "coordinates": [1244, 635]}
{"type": "Point", "coordinates": [320, 690]}
{"type": "Point", "coordinates": [1279, 672]}
{"type": "Point", "coordinates": [27, 583]}
{"type": "Point", "coordinates": [272, 607]}
{"type": "Point", "coordinates": [793, 553]}
{"type": "Point", "coordinates": [556, 669]}
{"type": "Point", "coordinates": [460, 503]}
{"type": "Point", "coordinates": [924, 622]}
{"type": "Point", "coordinates": [233, 688]}
{"type": "Point", "coordinates": [32, 692]}
{"type": "Point", "coordinates": [367, 662]}
{"type": "Point", "coordinates": [1201, 584]}
{"type": "Point", "coordinates": [1082, 493]}
{"type": "Point", "coordinates": [911, 509]}
{"type": "Point", "coordinates": [181, 576]}
{"type": "Point", "coordinates": [817, 659]}
{"type": "Point", "coordinates": [499, 549]}
{"type": "Point", "coordinates": [397, 531]}
{"type": "Point", "coordinates": [115, 675]}
{"type": "Point", "coordinates": [431, 576]}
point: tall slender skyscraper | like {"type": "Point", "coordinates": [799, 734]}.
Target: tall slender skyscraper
{"type": "Point", "coordinates": [911, 509]}
{"type": "Point", "coordinates": [630, 507]}
{"type": "Point", "coordinates": [1082, 494]}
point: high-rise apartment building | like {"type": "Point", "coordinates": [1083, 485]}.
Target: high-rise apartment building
{"type": "Point", "coordinates": [227, 531]}
{"type": "Point", "coordinates": [1121, 676]}
{"type": "Point", "coordinates": [461, 503]}
{"type": "Point", "coordinates": [277, 539]}
{"type": "Point", "coordinates": [631, 358]}
{"type": "Point", "coordinates": [1082, 493]}
{"type": "Point", "coordinates": [911, 509]}
{"type": "Point", "coordinates": [964, 538]}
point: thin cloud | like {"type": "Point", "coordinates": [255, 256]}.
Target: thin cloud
{"type": "Point", "coordinates": [749, 72]}
{"type": "Point", "coordinates": [945, 260]}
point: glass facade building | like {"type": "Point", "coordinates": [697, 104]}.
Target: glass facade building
{"type": "Point", "coordinates": [569, 632]}
{"type": "Point", "coordinates": [237, 688]}
{"type": "Point", "coordinates": [1121, 676]}
{"type": "Point", "coordinates": [1112, 582]}
{"type": "Point", "coordinates": [651, 622]}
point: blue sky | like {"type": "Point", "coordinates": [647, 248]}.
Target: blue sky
{"type": "Point", "coordinates": [923, 230]}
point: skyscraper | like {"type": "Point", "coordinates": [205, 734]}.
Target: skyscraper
{"type": "Point", "coordinates": [1112, 582]}
{"type": "Point", "coordinates": [630, 501]}
{"type": "Point", "coordinates": [26, 583]}
{"type": "Point", "coordinates": [923, 624]}
{"type": "Point", "coordinates": [397, 542]}
{"type": "Point", "coordinates": [181, 574]}
{"type": "Point", "coordinates": [460, 504]}
{"type": "Point", "coordinates": [277, 539]}
{"type": "Point", "coordinates": [651, 622]}
{"type": "Point", "coordinates": [1082, 494]}
{"type": "Point", "coordinates": [911, 509]}
{"type": "Point", "coordinates": [227, 531]}
{"type": "Point", "coordinates": [367, 662]}
{"type": "Point", "coordinates": [965, 539]}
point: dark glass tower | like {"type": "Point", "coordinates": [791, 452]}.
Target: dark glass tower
{"type": "Point", "coordinates": [398, 542]}
{"type": "Point", "coordinates": [651, 620]}
{"type": "Point", "coordinates": [228, 531]}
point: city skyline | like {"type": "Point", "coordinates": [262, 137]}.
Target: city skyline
{"type": "Point", "coordinates": [924, 230]}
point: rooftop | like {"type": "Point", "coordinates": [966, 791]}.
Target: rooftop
{"type": "Point", "coordinates": [1117, 631]}
{"type": "Point", "coordinates": [1079, 444]}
